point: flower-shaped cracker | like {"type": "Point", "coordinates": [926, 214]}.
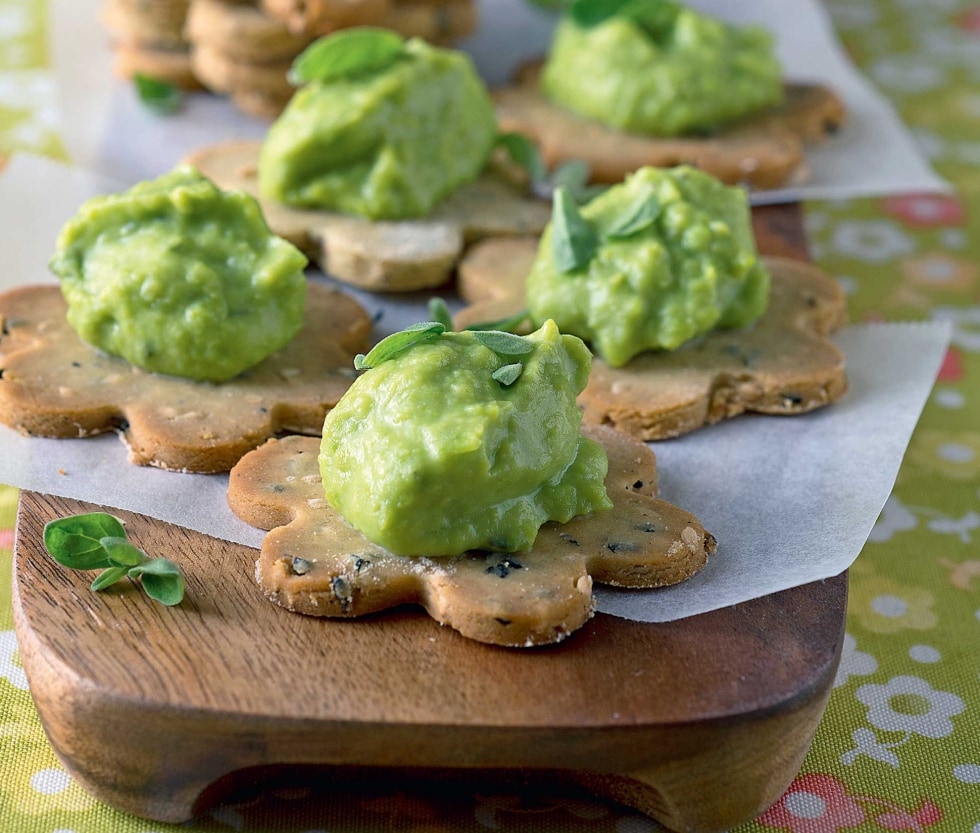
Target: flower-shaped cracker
{"type": "Point", "coordinates": [389, 256]}
{"type": "Point", "coordinates": [52, 384]}
{"type": "Point", "coordinates": [762, 152]}
{"type": "Point", "coordinates": [782, 364]}
{"type": "Point", "coordinates": [314, 562]}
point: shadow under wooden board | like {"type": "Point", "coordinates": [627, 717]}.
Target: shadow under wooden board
{"type": "Point", "coordinates": [700, 723]}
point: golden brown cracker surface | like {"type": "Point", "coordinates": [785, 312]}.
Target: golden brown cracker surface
{"type": "Point", "coordinates": [388, 256]}
{"type": "Point", "coordinates": [170, 65]}
{"type": "Point", "coordinates": [324, 16]}
{"type": "Point", "coordinates": [762, 152]}
{"type": "Point", "coordinates": [313, 562]}
{"type": "Point", "coordinates": [782, 364]}
{"type": "Point", "coordinates": [52, 384]}
{"type": "Point", "coordinates": [154, 24]}
{"type": "Point", "coordinates": [243, 33]}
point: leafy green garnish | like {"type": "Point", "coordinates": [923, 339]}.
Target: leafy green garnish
{"type": "Point", "coordinates": [655, 17]}
{"type": "Point", "coordinates": [508, 324]}
{"type": "Point", "coordinates": [505, 344]}
{"type": "Point", "coordinates": [588, 13]}
{"type": "Point", "coordinates": [392, 345]}
{"type": "Point", "coordinates": [638, 215]}
{"type": "Point", "coordinates": [573, 239]}
{"type": "Point", "coordinates": [345, 54]}
{"type": "Point", "coordinates": [524, 153]}
{"type": "Point", "coordinates": [574, 175]}
{"type": "Point", "coordinates": [76, 542]}
{"type": "Point", "coordinates": [98, 540]}
{"type": "Point", "coordinates": [508, 373]}
{"type": "Point", "coordinates": [439, 312]}
{"type": "Point", "coordinates": [157, 95]}
{"type": "Point", "coordinates": [162, 580]}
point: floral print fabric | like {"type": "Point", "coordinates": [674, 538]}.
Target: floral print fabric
{"type": "Point", "coordinates": [899, 746]}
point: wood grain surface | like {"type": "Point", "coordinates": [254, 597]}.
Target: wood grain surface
{"type": "Point", "coordinates": [700, 723]}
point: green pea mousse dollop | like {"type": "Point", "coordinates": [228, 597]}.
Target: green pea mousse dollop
{"type": "Point", "coordinates": [389, 144]}
{"type": "Point", "coordinates": [179, 277]}
{"type": "Point", "coordinates": [690, 267]}
{"type": "Point", "coordinates": [428, 454]}
{"type": "Point", "coordinates": [659, 68]}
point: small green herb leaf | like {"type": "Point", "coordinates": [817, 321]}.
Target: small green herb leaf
{"type": "Point", "coordinates": [524, 152]}
{"type": "Point", "coordinates": [121, 553]}
{"type": "Point", "coordinates": [573, 240]}
{"type": "Point", "coordinates": [439, 313]}
{"type": "Point", "coordinates": [638, 215]}
{"type": "Point", "coordinates": [588, 13]}
{"type": "Point", "coordinates": [508, 324]}
{"type": "Point", "coordinates": [508, 374]}
{"type": "Point", "coordinates": [345, 54]}
{"type": "Point", "coordinates": [160, 96]}
{"type": "Point", "coordinates": [391, 345]}
{"type": "Point", "coordinates": [505, 344]}
{"type": "Point", "coordinates": [76, 541]}
{"type": "Point", "coordinates": [161, 579]}
{"type": "Point", "coordinates": [109, 576]}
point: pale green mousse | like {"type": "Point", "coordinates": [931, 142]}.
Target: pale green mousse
{"type": "Point", "coordinates": [672, 72]}
{"type": "Point", "coordinates": [179, 277]}
{"type": "Point", "coordinates": [390, 144]}
{"type": "Point", "coordinates": [693, 268]}
{"type": "Point", "coordinates": [427, 454]}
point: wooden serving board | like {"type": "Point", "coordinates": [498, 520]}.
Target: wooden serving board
{"type": "Point", "coordinates": [700, 723]}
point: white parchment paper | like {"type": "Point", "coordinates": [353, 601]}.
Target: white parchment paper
{"type": "Point", "coordinates": [108, 132]}
{"type": "Point", "coordinates": [791, 500]}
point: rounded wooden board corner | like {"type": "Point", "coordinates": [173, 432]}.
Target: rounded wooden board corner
{"type": "Point", "coordinates": [227, 685]}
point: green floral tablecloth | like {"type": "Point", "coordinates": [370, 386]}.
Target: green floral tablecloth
{"type": "Point", "coordinates": [899, 746]}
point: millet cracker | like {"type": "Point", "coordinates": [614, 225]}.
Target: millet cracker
{"type": "Point", "coordinates": [52, 384]}
{"type": "Point", "coordinates": [314, 562]}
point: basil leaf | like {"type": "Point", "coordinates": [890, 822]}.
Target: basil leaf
{"type": "Point", "coordinates": [573, 240]}
{"type": "Point", "coordinates": [655, 17]}
{"type": "Point", "coordinates": [440, 314]}
{"type": "Point", "coordinates": [391, 345]}
{"type": "Point", "coordinates": [508, 324]}
{"type": "Point", "coordinates": [162, 580]}
{"type": "Point", "coordinates": [638, 215]}
{"type": "Point", "coordinates": [108, 577]}
{"type": "Point", "coordinates": [122, 553]}
{"type": "Point", "coordinates": [508, 374]}
{"type": "Point", "coordinates": [589, 13]}
{"type": "Point", "coordinates": [524, 152]}
{"type": "Point", "coordinates": [345, 54]}
{"type": "Point", "coordinates": [506, 344]}
{"type": "Point", "coordinates": [76, 541]}
{"type": "Point", "coordinates": [160, 96]}
{"type": "Point", "coordinates": [574, 175]}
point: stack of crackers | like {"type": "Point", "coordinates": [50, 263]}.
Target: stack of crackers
{"type": "Point", "coordinates": [244, 48]}
{"type": "Point", "coordinates": [148, 39]}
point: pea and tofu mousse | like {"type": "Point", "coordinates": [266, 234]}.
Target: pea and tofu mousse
{"type": "Point", "coordinates": [657, 67]}
{"type": "Point", "coordinates": [179, 277]}
{"type": "Point", "coordinates": [384, 128]}
{"type": "Point", "coordinates": [632, 83]}
{"type": "Point", "coordinates": [463, 441]}
{"type": "Point", "coordinates": [650, 264]}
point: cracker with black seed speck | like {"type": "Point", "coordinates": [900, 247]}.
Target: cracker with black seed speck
{"type": "Point", "coordinates": [534, 597]}
{"type": "Point", "coordinates": [52, 384]}
{"type": "Point", "coordinates": [784, 363]}
{"type": "Point", "coordinates": [762, 151]}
